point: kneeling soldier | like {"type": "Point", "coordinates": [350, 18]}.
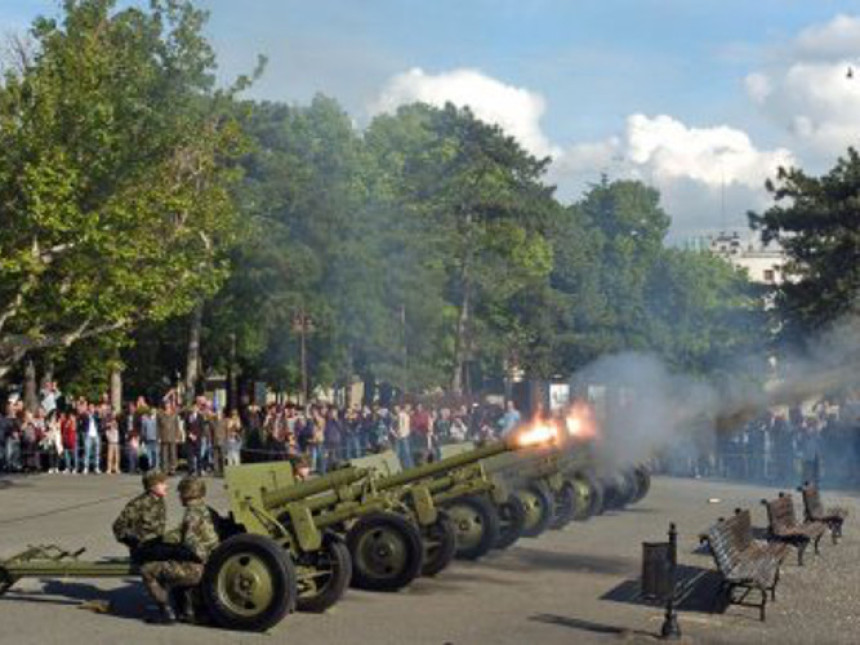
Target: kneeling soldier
{"type": "Point", "coordinates": [140, 525]}
{"type": "Point", "coordinates": [197, 539]}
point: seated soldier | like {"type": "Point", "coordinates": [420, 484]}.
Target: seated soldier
{"type": "Point", "coordinates": [140, 525]}
{"type": "Point", "coordinates": [196, 540]}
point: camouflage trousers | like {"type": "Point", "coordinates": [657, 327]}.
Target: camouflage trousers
{"type": "Point", "coordinates": [160, 577]}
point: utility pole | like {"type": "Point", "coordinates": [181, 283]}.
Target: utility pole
{"type": "Point", "coordinates": [303, 325]}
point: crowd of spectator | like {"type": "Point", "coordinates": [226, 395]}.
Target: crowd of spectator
{"type": "Point", "coordinates": [85, 437]}
{"type": "Point", "coordinates": [819, 444]}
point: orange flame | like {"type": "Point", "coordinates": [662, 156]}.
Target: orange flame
{"type": "Point", "coordinates": [580, 422]}
{"type": "Point", "coordinates": [541, 432]}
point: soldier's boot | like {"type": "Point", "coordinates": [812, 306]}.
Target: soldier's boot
{"type": "Point", "coordinates": [186, 611]}
{"type": "Point", "coordinates": [165, 616]}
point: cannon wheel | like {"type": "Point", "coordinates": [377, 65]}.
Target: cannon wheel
{"type": "Point", "coordinates": [512, 518]}
{"type": "Point", "coordinates": [440, 545]}
{"type": "Point", "coordinates": [332, 567]}
{"type": "Point", "coordinates": [564, 508]}
{"type": "Point", "coordinates": [643, 481]}
{"type": "Point", "coordinates": [249, 583]}
{"type": "Point", "coordinates": [387, 553]}
{"type": "Point", "coordinates": [538, 501]}
{"type": "Point", "coordinates": [6, 581]}
{"type": "Point", "coordinates": [582, 489]}
{"type": "Point", "coordinates": [596, 497]}
{"type": "Point", "coordinates": [620, 489]}
{"type": "Point", "coordinates": [476, 523]}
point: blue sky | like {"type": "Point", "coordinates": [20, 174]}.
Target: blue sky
{"type": "Point", "coordinates": [701, 98]}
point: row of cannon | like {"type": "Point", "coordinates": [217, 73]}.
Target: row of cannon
{"type": "Point", "coordinates": [299, 545]}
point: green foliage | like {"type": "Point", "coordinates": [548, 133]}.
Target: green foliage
{"type": "Point", "coordinates": [114, 174]}
{"type": "Point", "coordinates": [817, 222]}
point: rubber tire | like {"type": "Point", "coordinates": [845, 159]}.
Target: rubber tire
{"type": "Point", "coordinates": [643, 479]}
{"type": "Point", "coordinates": [598, 497]}
{"type": "Point", "coordinates": [442, 530]}
{"type": "Point", "coordinates": [411, 540]}
{"type": "Point", "coordinates": [586, 499]}
{"type": "Point", "coordinates": [564, 507]}
{"type": "Point", "coordinates": [280, 565]}
{"type": "Point", "coordinates": [544, 498]}
{"type": "Point", "coordinates": [489, 520]}
{"type": "Point", "coordinates": [512, 518]}
{"type": "Point", "coordinates": [337, 585]}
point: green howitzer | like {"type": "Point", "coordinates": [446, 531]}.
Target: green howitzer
{"type": "Point", "coordinates": [448, 499]}
{"type": "Point", "coordinates": [388, 523]}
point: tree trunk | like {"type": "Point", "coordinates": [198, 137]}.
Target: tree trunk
{"type": "Point", "coordinates": [232, 389]}
{"type": "Point", "coordinates": [31, 394]}
{"type": "Point", "coordinates": [461, 341]}
{"type": "Point", "coordinates": [192, 366]}
{"type": "Point", "coordinates": [116, 389]}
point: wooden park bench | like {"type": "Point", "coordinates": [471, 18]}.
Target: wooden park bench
{"type": "Point", "coordinates": [744, 563]}
{"type": "Point", "coordinates": [814, 511]}
{"type": "Point", "coordinates": [783, 526]}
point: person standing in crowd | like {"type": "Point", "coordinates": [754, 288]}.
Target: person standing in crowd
{"type": "Point", "coordinates": [219, 441]}
{"type": "Point", "coordinates": [29, 442]}
{"type": "Point", "coordinates": [234, 439]}
{"type": "Point", "coordinates": [112, 437]}
{"type": "Point", "coordinates": [197, 539]}
{"type": "Point", "coordinates": [129, 437]}
{"type": "Point", "coordinates": [149, 436]}
{"type": "Point", "coordinates": [316, 441]}
{"type": "Point", "coordinates": [420, 429]}
{"type": "Point", "coordinates": [13, 440]}
{"type": "Point", "coordinates": [49, 396]}
{"type": "Point", "coordinates": [89, 428]}
{"type": "Point", "coordinates": [69, 433]}
{"type": "Point", "coordinates": [168, 434]}
{"type": "Point", "coordinates": [402, 432]}
{"type": "Point", "coordinates": [194, 438]}
{"type": "Point", "coordinates": [510, 419]}
{"type": "Point", "coordinates": [333, 436]}
{"type": "Point", "coordinates": [53, 441]}
{"type": "Point", "coordinates": [141, 523]}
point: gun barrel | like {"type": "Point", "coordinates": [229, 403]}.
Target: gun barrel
{"type": "Point", "coordinates": [282, 496]}
{"type": "Point", "coordinates": [443, 465]}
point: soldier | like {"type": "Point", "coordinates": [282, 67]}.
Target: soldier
{"type": "Point", "coordinates": [140, 525]}
{"type": "Point", "coordinates": [197, 539]}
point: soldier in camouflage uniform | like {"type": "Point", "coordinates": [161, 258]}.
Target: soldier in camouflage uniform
{"type": "Point", "coordinates": [140, 525]}
{"type": "Point", "coordinates": [197, 538]}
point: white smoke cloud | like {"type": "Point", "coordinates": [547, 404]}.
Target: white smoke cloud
{"type": "Point", "coordinates": [517, 110]}
{"type": "Point", "coordinates": [810, 92]}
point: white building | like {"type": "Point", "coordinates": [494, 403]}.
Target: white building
{"type": "Point", "coordinates": [764, 263]}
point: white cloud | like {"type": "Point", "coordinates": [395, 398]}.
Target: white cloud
{"type": "Point", "coordinates": [708, 177]}
{"type": "Point", "coordinates": [516, 110]}
{"type": "Point", "coordinates": [836, 39]}
{"type": "Point", "coordinates": [701, 171]}
{"type": "Point", "coordinates": [810, 93]}
{"type": "Point", "coordinates": [713, 156]}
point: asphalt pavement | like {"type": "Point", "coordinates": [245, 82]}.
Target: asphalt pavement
{"type": "Point", "coordinates": [578, 585]}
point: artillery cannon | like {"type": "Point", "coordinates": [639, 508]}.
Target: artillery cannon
{"type": "Point", "coordinates": [454, 491]}
{"type": "Point", "coordinates": [290, 544]}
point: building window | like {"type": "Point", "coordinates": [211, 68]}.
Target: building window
{"type": "Point", "coordinates": [768, 275]}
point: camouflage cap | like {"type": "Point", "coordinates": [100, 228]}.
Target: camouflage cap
{"type": "Point", "coordinates": [152, 478]}
{"type": "Point", "coordinates": [192, 488]}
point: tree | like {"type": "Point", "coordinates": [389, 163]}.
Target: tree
{"type": "Point", "coordinates": [114, 175]}
{"type": "Point", "coordinates": [480, 205]}
{"type": "Point", "coordinates": [817, 222]}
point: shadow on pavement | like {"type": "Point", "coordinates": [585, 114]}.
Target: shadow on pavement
{"type": "Point", "coordinates": [526, 558]}
{"type": "Point", "coordinates": [698, 590]}
{"type": "Point", "coordinates": [128, 602]}
{"type": "Point", "coordinates": [589, 626]}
